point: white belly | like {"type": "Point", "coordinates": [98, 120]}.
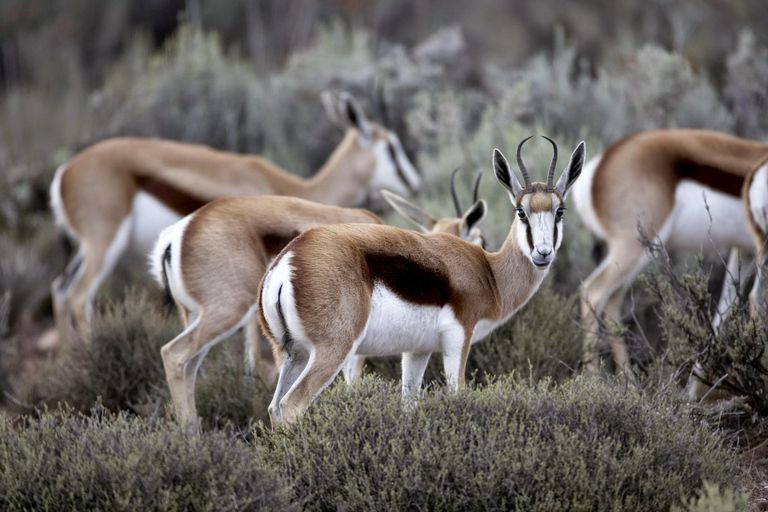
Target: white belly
{"type": "Point", "coordinates": [396, 326]}
{"type": "Point", "coordinates": [150, 217]}
{"type": "Point", "coordinates": [692, 227]}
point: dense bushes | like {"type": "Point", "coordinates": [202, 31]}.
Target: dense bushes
{"type": "Point", "coordinates": [65, 461]}
{"type": "Point", "coordinates": [120, 366]}
{"type": "Point", "coordinates": [584, 445]}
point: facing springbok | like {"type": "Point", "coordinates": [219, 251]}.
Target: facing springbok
{"type": "Point", "coordinates": [663, 181]}
{"type": "Point", "coordinates": [122, 192]}
{"type": "Point", "coordinates": [212, 262]}
{"type": "Point", "coordinates": [378, 290]}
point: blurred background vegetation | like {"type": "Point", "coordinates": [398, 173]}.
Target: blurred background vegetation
{"type": "Point", "coordinates": [455, 79]}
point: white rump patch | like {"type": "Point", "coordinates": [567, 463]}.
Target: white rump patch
{"type": "Point", "coordinates": [60, 215]}
{"type": "Point", "coordinates": [277, 276]}
{"type": "Point", "coordinates": [582, 197]}
{"type": "Point", "coordinates": [173, 236]}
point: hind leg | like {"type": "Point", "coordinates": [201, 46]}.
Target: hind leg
{"type": "Point", "coordinates": [602, 297]}
{"type": "Point", "coordinates": [259, 358]}
{"type": "Point", "coordinates": [183, 355]}
{"type": "Point", "coordinates": [59, 293]}
{"type": "Point", "coordinates": [353, 368]}
{"type": "Point", "coordinates": [294, 359]}
{"type": "Point", "coordinates": [100, 257]}
{"type": "Point", "coordinates": [323, 366]}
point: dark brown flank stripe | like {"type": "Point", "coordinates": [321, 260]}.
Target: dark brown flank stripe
{"type": "Point", "coordinates": [276, 242]}
{"type": "Point", "coordinates": [422, 284]}
{"type": "Point", "coordinates": [712, 177]}
{"type": "Point", "coordinates": [178, 201]}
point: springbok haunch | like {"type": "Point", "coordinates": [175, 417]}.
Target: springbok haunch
{"type": "Point", "coordinates": [212, 263]}
{"type": "Point", "coordinates": [377, 290]}
{"type": "Point", "coordinates": [122, 192]}
{"type": "Point", "coordinates": [664, 180]}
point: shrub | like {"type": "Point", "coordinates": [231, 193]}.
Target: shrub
{"type": "Point", "coordinates": [583, 445]}
{"type": "Point", "coordinates": [121, 367]}
{"type": "Point", "coordinates": [732, 356]}
{"type": "Point", "coordinates": [715, 500]}
{"type": "Point", "coordinates": [747, 73]}
{"type": "Point", "coordinates": [116, 462]}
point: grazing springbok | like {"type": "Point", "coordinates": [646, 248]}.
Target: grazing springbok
{"type": "Point", "coordinates": [122, 192]}
{"type": "Point", "coordinates": [662, 181]}
{"type": "Point", "coordinates": [212, 262]}
{"type": "Point", "coordinates": [378, 291]}
{"type": "Point", "coordinates": [755, 197]}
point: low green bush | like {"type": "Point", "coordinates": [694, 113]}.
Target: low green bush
{"type": "Point", "coordinates": [121, 366]}
{"type": "Point", "coordinates": [66, 461]}
{"type": "Point", "coordinates": [582, 445]}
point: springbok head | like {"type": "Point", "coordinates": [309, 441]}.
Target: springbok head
{"type": "Point", "coordinates": [390, 167]}
{"type": "Point", "coordinates": [466, 224]}
{"type": "Point", "coordinates": [539, 206]}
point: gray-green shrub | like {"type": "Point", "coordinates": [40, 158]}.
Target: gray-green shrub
{"type": "Point", "coordinates": [582, 445]}
{"type": "Point", "coordinates": [66, 461]}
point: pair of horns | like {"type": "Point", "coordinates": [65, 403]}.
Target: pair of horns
{"type": "Point", "coordinates": [524, 169]}
{"type": "Point", "coordinates": [475, 193]}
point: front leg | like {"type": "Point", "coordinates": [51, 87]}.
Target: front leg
{"type": "Point", "coordinates": [413, 371]}
{"type": "Point", "coordinates": [455, 342]}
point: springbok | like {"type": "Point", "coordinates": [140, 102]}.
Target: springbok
{"type": "Point", "coordinates": [212, 262]}
{"type": "Point", "coordinates": [662, 181]}
{"type": "Point", "coordinates": [378, 290]}
{"type": "Point", "coordinates": [122, 192]}
{"type": "Point", "coordinates": [755, 197]}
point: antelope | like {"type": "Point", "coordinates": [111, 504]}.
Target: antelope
{"type": "Point", "coordinates": [683, 188]}
{"type": "Point", "coordinates": [755, 198]}
{"type": "Point", "coordinates": [122, 192]}
{"type": "Point", "coordinates": [212, 261]}
{"type": "Point", "coordinates": [367, 290]}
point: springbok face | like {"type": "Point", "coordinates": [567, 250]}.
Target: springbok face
{"type": "Point", "coordinates": [465, 225]}
{"type": "Point", "coordinates": [540, 206]}
{"type": "Point", "coordinates": [389, 168]}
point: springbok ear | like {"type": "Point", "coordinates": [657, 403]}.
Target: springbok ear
{"type": "Point", "coordinates": [572, 170]}
{"type": "Point", "coordinates": [474, 216]}
{"type": "Point", "coordinates": [331, 104]}
{"type": "Point", "coordinates": [353, 114]}
{"type": "Point", "coordinates": [410, 211]}
{"type": "Point", "coordinates": [505, 175]}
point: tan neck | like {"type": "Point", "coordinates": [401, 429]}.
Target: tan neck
{"type": "Point", "coordinates": [339, 181]}
{"type": "Point", "coordinates": [516, 277]}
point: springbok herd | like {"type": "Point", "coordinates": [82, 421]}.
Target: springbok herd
{"type": "Point", "coordinates": [318, 286]}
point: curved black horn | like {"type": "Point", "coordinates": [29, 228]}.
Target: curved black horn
{"type": "Point", "coordinates": [551, 173]}
{"type": "Point", "coordinates": [456, 203]}
{"type": "Point", "coordinates": [523, 169]}
{"type": "Point", "coordinates": [380, 100]}
{"type": "Point", "coordinates": [476, 192]}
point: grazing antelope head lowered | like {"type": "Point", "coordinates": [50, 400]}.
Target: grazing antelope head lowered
{"type": "Point", "coordinates": [354, 290]}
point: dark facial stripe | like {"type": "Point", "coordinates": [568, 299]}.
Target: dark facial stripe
{"type": "Point", "coordinates": [554, 238]}
{"type": "Point", "coordinates": [529, 235]}
{"type": "Point", "coordinates": [178, 201]}
{"type": "Point", "coordinates": [398, 170]}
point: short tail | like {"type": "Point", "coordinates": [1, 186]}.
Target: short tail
{"type": "Point", "coordinates": [168, 302]}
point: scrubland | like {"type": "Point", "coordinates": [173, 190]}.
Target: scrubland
{"type": "Point", "coordinates": [87, 426]}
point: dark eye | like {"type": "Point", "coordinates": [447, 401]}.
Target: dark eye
{"type": "Point", "coordinates": [560, 212]}
{"type": "Point", "coordinates": [521, 213]}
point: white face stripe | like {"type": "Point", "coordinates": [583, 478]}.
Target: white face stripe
{"type": "Point", "coordinates": [385, 176]}
{"type": "Point", "coordinates": [542, 227]}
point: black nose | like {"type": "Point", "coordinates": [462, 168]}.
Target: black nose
{"type": "Point", "coordinates": [545, 253]}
